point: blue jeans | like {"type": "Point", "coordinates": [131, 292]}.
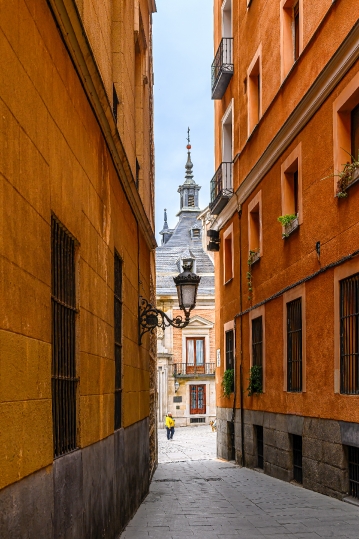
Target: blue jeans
{"type": "Point", "coordinates": [170, 432]}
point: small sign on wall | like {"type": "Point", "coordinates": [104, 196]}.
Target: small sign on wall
{"type": "Point", "coordinates": [218, 357]}
{"type": "Point", "coordinates": [177, 399]}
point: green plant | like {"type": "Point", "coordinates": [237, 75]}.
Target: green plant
{"type": "Point", "coordinates": [345, 177]}
{"type": "Point", "coordinates": [286, 219]}
{"type": "Point", "coordinates": [228, 382]}
{"type": "Point", "coordinates": [249, 273]}
{"type": "Point", "coordinates": [255, 380]}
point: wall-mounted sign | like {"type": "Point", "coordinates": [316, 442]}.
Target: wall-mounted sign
{"type": "Point", "coordinates": [218, 357]}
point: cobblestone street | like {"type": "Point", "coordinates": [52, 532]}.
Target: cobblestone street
{"type": "Point", "coordinates": [193, 494]}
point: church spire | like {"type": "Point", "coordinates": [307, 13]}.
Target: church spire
{"type": "Point", "coordinates": [165, 224]}
{"type": "Point", "coordinates": [189, 190]}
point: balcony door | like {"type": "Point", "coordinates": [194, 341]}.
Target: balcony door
{"type": "Point", "coordinates": [198, 399]}
{"type": "Point", "coordinates": [195, 355]}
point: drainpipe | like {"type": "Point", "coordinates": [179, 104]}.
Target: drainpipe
{"type": "Point", "coordinates": [241, 338]}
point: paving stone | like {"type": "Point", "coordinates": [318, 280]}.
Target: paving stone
{"type": "Point", "coordinates": [207, 498]}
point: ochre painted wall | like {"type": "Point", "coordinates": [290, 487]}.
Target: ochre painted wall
{"type": "Point", "coordinates": [53, 158]}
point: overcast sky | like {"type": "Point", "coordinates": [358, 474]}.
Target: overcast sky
{"type": "Point", "coordinates": [183, 53]}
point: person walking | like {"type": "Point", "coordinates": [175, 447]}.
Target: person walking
{"type": "Point", "coordinates": [170, 426]}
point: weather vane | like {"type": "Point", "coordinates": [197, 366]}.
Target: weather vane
{"type": "Point", "coordinates": [188, 139]}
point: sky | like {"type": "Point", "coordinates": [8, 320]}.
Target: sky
{"type": "Point", "coordinates": [183, 54]}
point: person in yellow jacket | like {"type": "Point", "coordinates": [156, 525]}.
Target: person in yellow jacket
{"type": "Point", "coordinates": [170, 426]}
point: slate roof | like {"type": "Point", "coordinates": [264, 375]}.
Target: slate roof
{"type": "Point", "coordinates": [168, 254]}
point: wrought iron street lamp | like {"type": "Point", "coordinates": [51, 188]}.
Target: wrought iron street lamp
{"type": "Point", "coordinates": [151, 318]}
{"type": "Point", "coordinates": [176, 386]}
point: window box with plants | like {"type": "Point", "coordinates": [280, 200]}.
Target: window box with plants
{"type": "Point", "coordinates": [347, 177]}
{"type": "Point", "coordinates": [289, 224]}
{"type": "Point", "coordinates": [228, 382]}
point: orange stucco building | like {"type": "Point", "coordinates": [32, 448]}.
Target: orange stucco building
{"type": "Point", "coordinates": [285, 80]}
{"type": "Point", "coordinates": [77, 391]}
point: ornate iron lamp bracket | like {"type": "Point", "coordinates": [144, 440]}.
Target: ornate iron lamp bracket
{"type": "Point", "coordinates": [151, 318]}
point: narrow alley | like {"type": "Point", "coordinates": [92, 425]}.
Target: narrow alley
{"type": "Point", "coordinates": [193, 494]}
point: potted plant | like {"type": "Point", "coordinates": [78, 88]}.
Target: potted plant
{"type": "Point", "coordinates": [253, 257]}
{"type": "Point", "coordinates": [346, 178]}
{"type": "Point", "coordinates": [228, 382]}
{"type": "Point", "coordinates": [255, 381]}
{"type": "Point", "coordinates": [289, 223]}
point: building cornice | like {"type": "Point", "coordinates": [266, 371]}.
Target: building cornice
{"type": "Point", "coordinates": [73, 34]}
{"type": "Point", "coordinates": [337, 67]}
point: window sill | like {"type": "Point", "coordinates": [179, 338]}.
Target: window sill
{"type": "Point", "coordinates": [354, 180]}
{"type": "Point", "coordinates": [229, 280]}
{"type": "Point", "coordinates": [255, 258]}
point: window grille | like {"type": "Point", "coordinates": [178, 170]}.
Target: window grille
{"type": "Point", "coordinates": [229, 350]}
{"type": "Point", "coordinates": [294, 345]}
{"type": "Point", "coordinates": [297, 459]}
{"type": "Point", "coordinates": [196, 233]}
{"type": "Point", "coordinates": [197, 420]}
{"type": "Point", "coordinates": [257, 341]}
{"type": "Point", "coordinates": [190, 200]}
{"type": "Point", "coordinates": [118, 340]}
{"type": "Point", "coordinates": [349, 335]}
{"type": "Point", "coordinates": [63, 305]}
{"type": "Point", "coordinates": [353, 453]}
{"type": "Point", "coordinates": [259, 436]}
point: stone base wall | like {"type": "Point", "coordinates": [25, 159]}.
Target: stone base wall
{"type": "Point", "coordinates": [324, 447]}
{"type": "Point", "coordinates": [87, 494]}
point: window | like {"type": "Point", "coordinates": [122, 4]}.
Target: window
{"type": "Point", "coordinates": [196, 233]}
{"type": "Point", "coordinates": [259, 439]}
{"type": "Point", "coordinates": [254, 90]}
{"type": "Point", "coordinates": [198, 399]}
{"type": "Point", "coordinates": [353, 458]}
{"type": "Point", "coordinates": [297, 458]}
{"type": "Point", "coordinates": [255, 225]}
{"type": "Point", "coordinates": [227, 135]}
{"type": "Point", "coordinates": [354, 121]}
{"type": "Point", "coordinates": [190, 200]}
{"type": "Point", "coordinates": [291, 186]}
{"type": "Point", "coordinates": [229, 349]}
{"type": "Point", "coordinates": [257, 341]}
{"type": "Point", "coordinates": [294, 345]}
{"type": "Point", "coordinates": [227, 18]}
{"type": "Point", "coordinates": [228, 254]}
{"type": "Point", "coordinates": [63, 302]}
{"type": "Point", "coordinates": [291, 33]}
{"type": "Point", "coordinates": [195, 353]}
{"type": "Point", "coordinates": [346, 126]}
{"type": "Point", "coordinates": [349, 335]}
{"type": "Point", "coordinates": [118, 340]}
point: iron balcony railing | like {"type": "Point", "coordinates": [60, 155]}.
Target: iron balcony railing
{"type": "Point", "coordinates": [221, 188]}
{"type": "Point", "coordinates": [222, 68]}
{"type": "Point", "coordinates": [184, 369]}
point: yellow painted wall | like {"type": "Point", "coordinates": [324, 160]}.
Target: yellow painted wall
{"type": "Point", "coordinates": [53, 158]}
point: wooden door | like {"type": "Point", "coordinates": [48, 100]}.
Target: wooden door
{"type": "Point", "coordinates": [198, 399]}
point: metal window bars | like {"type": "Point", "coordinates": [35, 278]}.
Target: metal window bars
{"type": "Point", "coordinates": [63, 304]}
{"type": "Point", "coordinates": [229, 349]}
{"type": "Point", "coordinates": [118, 340]}
{"type": "Point", "coordinates": [349, 335]}
{"type": "Point", "coordinates": [294, 345]}
{"type": "Point", "coordinates": [257, 341]}
{"type": "Point", "coordinates": [260, 446]}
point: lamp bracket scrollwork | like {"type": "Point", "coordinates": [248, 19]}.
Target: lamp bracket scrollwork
{"type": "Point", "coordinates": [151, 318]}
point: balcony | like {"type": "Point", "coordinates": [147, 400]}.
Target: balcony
{"type": "Point", "coordinates": [221, 188]}
{"type": "Point", "coordinates": [222, 68]}
{"type": "Point", "coordinates": [183, 369]}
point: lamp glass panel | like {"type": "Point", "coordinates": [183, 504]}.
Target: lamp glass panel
{"type": "Point", "coordinates": [188, 295]}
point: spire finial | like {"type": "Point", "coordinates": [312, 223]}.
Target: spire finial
{"type": "Point", "coordinates": [189, 165]}
{"type": "Point", "coordinates": [165, 224]}
{"type": "Point", "coordinates": [188, 139]}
